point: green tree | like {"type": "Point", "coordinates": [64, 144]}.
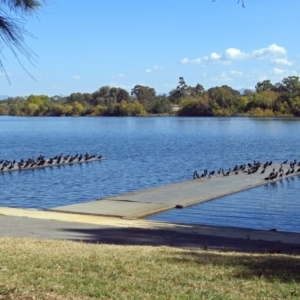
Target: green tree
{"type": "Point", "coordinates": [162, 105]}
{"type": "Point", "coordinates": [196, 107]}
{"type": "Point", "coordinates": [37, 105]}
{"type": "Point", "coordinates": [241, 103]}
{"type": "Point", "coordinates": [98, 110]}
{"type": "Point", "coordinates": [3, 109]}
{"type": "Point", "coordinates": [122, 95]}
{"type": "Point", "coordinates": [198, 90]}
{"type": "Point", "coordinates": [184, 91]}
{"type": "Point", "coordinates": [58, 99]}
{"type": "Point", "coordinates": [76, 97]}
{"type": "Point", "coordinates": [13, 110]}
{"type": "Point", "coordinates": [223, 99]}
{"type": "Point", "coordinates": [289, 90]}
{"type": "Point", "coordinates": [265, 85]}
{"type": "Point", "coordinates": [68, 110]}
{"type": "Point", "coordinates": [56, 110]}
{"type": "Point", "coordinates": [248, 92]}
{"type": "Point", "coordinates": [145, 95]}
{"type": "Point", "coordinates": [265, 99]}
{"type": "Point", "coordinates": [77, 109]}
{"type": "Point", "coordinates": [180, 92]}
{"type": "Point", "coordinates": [96, 99]}
{"type": "Point", "coordinates": [118, 95]}
{"type": "Point", "coordinates": [137, 108]}
{"type": "Point", "coordinates": [124, 109]}
{"type": "Point", "coordinates": [104, 94]}
{"type": "Point", "coordinates": [296, 106]}
{"type": "Point", "coordinates": [182, 87]}
{"type": "Point", "coordinates": [291, 84]}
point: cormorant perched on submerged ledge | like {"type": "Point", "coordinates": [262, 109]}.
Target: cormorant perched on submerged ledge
{"type": "Point", "coordinates": [41, 162]}
{"type": "Point", "coordinates": [255, 167]}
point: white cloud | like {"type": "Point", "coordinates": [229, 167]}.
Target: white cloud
{"type": "Point", "coordinates": [283, 73]}
{"type": "Point", "coordinates": [184, 61]}
{"type": "Point", "coordinates": [269, 52]}
{"type": "Point", "coordinates": [282, 61]}
{"type": "Point", "coordinates": [76, 77]}
{"type": "Point", "coordinates": [155, 67]}
{"type": "Point", "coordinates": [236, 73]}
{"type": "Point", "coordinates": [233, 53]}
{"type": "Point", "coordinates": [277, 71]}
{"type": "Point", "coordinates": [214, 56]}
{"type": "Point", "coordinates": [274, 53]}
{"type": "Point", "coordinates": [223, 75]}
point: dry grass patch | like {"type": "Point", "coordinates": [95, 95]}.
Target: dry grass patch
{"type": "Point", "coordinates": [34, 269]}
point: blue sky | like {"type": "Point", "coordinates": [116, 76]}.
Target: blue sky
{"type": "Point", "coordinates": [83, 45]}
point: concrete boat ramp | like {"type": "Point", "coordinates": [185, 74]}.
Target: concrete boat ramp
{"type": "Point", "coordinates": [96, 220]}
{"type": "Point", "coordinates": [179, 195]}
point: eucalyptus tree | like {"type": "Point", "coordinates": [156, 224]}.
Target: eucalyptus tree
{"type": "Point", "coordinates": [265, 85]}
{"type": "Point", "coordinates": [162, 105]}
{"type": "Point", "coordinates": [289, 94]}
{"type": "Point", "coordinates": [118, 95]}
{"type": "Point", "coordinates": [248, 92]}
{"type": "Point", "coordinates": [145, 95]}
{"type": "Point", "coordinates": [185, 91]}
{"type": "Point", "coordinates": [13, 14]}
{"type": "Point", "coordinates": [122, 95]}
{"type": "Point", "coordinates": [107, 95]}
{"type": "Point", "coordinates": [223, 98]}
{"type": "Point", "coordinates": [181, 91]}
{"type": "Point", "coordinates": [198, 90]}
{"type": "Point", "coordinates": [291, 84]}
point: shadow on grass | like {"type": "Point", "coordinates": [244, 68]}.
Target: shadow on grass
{"type": "Point", "coordinates": [160, 237]}
{"type": "Point", "coordinates": [269, 267]}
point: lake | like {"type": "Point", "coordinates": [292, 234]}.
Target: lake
{"type": "Point", "coordinates": [145, 152]}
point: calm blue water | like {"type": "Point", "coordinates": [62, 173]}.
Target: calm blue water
{"type": "Point", "coordinates": [147, 152]}
{"type": "Point", "coordinates": [275, 205]}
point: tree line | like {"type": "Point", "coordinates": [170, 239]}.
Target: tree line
{"type": "Point", "coordinates": [280, 99]}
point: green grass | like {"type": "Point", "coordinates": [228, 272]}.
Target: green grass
{"type": "Point", "coordinates": [35, 269]}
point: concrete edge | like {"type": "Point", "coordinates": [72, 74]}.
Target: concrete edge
{"type": "Point", "coordinates": [132, 216]}
{"type": "Point", "coordinates": [230, 232]}
{"type": "Point", "coordinates": [198, 201]}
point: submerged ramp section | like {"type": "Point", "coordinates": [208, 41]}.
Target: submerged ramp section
{"type": "Point", "coordinates": [150, 201]}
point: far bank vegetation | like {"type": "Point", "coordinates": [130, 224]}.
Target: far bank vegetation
{"type": "Point", "coordinates": [267, 100]}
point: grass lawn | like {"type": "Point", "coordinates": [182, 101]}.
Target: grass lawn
{"type": "Point", "coordinates": [38, 269]}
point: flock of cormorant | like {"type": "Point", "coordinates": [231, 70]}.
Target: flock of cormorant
{"type": "Point", "coordinates": [42, 162]}
{"type": "Point", "coordinates": [253, 168]}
